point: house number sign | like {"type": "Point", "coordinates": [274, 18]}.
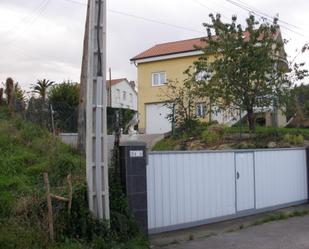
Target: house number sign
{"type": "Point", "coordinates": [136, 153]}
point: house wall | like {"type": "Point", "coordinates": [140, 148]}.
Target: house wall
{"type": "Point", "coordinates": [174, 69]}
{"type": "Point", "coordinates": [120, 102]}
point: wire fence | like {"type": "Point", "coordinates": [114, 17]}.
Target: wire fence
{"type": "Point", "coordinates": [60, 117]}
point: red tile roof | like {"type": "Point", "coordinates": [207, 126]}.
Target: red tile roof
{"type": "Point", "coordinates": [116, 81]}
{"type": "Point", "coordinates": [171, 48]}
{"type": "Point", "coordinates": [174, 47]}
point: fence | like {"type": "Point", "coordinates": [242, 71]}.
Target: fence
{"type": "Point", "coordinates": [194, 188]}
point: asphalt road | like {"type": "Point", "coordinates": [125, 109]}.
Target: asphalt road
{"type": "Point", "coordinates": [284, 234]}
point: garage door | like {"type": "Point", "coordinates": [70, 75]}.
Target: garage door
{"type": "Point", "coordinates": [156, 121]}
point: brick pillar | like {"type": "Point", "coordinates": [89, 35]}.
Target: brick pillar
{"type": "Point", "coordinates": [133, 176]}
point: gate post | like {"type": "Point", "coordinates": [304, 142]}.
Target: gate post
{"type": "Point", "coordinates": [134, 179]}
{"type": "Point", "coordinates": [307, 159]}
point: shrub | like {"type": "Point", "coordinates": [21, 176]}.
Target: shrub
{"type": "Point", "coordinates": [293, 139]}
{"type": "Point", "coordinates": [214, 133]}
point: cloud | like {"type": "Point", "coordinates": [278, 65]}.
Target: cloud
{"type": "Point", "coordinates": [38, 42]}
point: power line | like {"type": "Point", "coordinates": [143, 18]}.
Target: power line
{"type": "Point", "coordinates": [246, 8]}
{"type": "Point", "coordinates": [32, 21]}
{"type": "Point", "coordinates": [142, 18]}
{"type": "Point", "coordinates": [267, 15]}
{"type": "Point", "coordinates": [155, 21]}
{"type": "Point", "coordinates": [27, 18]}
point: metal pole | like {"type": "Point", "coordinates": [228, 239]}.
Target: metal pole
{"type": "Point", "coordinates": [96, 118]}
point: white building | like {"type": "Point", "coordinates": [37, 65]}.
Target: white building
{"type": "Point", "coordinates": [123, 94]}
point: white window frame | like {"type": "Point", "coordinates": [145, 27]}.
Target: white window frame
{"type": "Point", "coordinates": [200, 76]}
{"type": "Point", "coordinates": [117, 95]}
{"type": "Point", "coordinates": [161, 78]}
{"type": "Point", "coordinates": [200, 106]}
{"type": "Point", "coordinates": [124, 96]}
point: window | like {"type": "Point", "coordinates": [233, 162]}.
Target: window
{"type": "Point", "coordinates": [124, 95]}
{"type": "Point", "coordinates": [200, 110]}
{"type": "Point", "coordinates": [158, 78]}
{"type": "Point", "coordinates": [201, 76]}
{"type": "Point", "coordinates": [131, 98]}
{"type": "Point", "coordinates": [117, 96]}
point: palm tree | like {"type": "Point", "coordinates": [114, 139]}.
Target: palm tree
{"type": "Point", "coordinates": [41, 88]}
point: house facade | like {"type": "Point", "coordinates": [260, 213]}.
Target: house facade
{"type": "Point", "coordinates": [123, 94]}
{"type": "Point", "coordinates": [164, 62]}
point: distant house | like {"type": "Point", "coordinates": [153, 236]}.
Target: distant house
{"type": "Point", "coordinates": [123, 94]}
{"type": "Point", "coordinates": [168, 61]}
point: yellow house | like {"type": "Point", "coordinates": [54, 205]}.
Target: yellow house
{"type": "Point", "coordinates": [155, 66]}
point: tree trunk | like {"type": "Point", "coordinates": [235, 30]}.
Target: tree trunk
{"type": "Point", "coordinates": [10, 94]}
{"type": "Point", "coordinates": [1, 96]}
{"type": "Point", "coordinates": [81, 124]}
{"type": "Point", "coordinates": [250, 117]}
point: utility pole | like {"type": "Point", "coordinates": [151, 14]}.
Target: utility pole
{"type": "Point", "coordinates": [110, 87]}
{"type": "Point", "coordinates": [96, 118]}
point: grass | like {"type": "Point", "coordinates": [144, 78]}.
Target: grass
{"type": "Point", "coordinates": [259, 139]}
{"type": "Point", "coordinates": [280, 216]}
{"type": "Point", "coordinates": [26, 152]}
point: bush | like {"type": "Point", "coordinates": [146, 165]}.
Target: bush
{"type": "Point", "coordinates": [293, 139]}
{"type": "Point", "coordinates": [214, 133]}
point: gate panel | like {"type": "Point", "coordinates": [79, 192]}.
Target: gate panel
{"type": "Point", "coordinates": [244, 165]}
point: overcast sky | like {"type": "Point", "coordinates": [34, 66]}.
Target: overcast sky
{"type": "Point", "coordinates": [43, 38]}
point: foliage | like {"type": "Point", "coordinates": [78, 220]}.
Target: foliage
{"type": "Point", "coordinates": [214, 134]}
{"type": "Point", "coordinates": [182, 100]}
{"type": "Point", "coordinates": [125, 116]}
{"type": "Point", "coordinates": [64, 99]}
{"type": "Point", "coordinates": [298, 101]}
{"type": "Point", "coordinates": [41, 88]}
{"type": "Point", "coordinates": [249, 69]}
{"type": "Point", "coordinates": [26, 152]}
{"type": "Point", "coordinates": [293, 139]}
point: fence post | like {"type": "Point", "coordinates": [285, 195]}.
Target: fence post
{"type": "Point", "coordinates": [307, 159]}
{"type": "Point", "coordinates": [134, 179]}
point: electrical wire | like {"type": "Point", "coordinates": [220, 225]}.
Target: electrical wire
{"type": "Point", "coordinates": [267, 15]}
{"type": "Point", "coordinates": [246, 8]}
{"type": "Point", "coordinates": [32, 21]}
{"type": "Point", "coordinates": [142, 18]}
{"type": "Point", "coordinates": [98, 40]}
{"type": "Point", "coordinates": [25, 19]}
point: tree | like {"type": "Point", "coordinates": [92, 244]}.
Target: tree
{"type": "Point", "coordinates": [20, 98]}
{"type": "Point", "coordinates": [1, 96]}
{"type": "Point", "coordinates": [41, 87]}
{"type": "Point", "coordinates": [249, 69]}
{"type": "Point", "coordinates": [64, 99]}
{"type": "Point", "coordinates": [9, 90]}
{"type": "Point", "coordinates": [298, 101]}
{"type": "Point", "coordinates": [182, 100]}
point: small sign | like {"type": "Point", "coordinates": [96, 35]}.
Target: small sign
{"type": "Point", "coordinates": [136, 153]}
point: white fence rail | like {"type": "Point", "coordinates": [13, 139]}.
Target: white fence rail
{"type": "Point", "coordinates": [193, 188]}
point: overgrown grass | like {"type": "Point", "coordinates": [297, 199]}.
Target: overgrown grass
{"type": "Point", "coordinates": [26, 152]}
{"type": "Point", "coordinates": [258, 139]}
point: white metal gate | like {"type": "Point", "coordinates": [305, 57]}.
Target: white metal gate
{"type": "Point", "coordinates": [244, 165]}
{"type": "Point", "coordinates": [190, 188]}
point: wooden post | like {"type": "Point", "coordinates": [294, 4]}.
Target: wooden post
{"type": "Point", "coordinates": [50, 208]}
{"type": "Point", "coordinates": [81, 124]}
{"type": "Point", "coordinates": [69, 179]}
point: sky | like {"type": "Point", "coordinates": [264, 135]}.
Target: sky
{"type": "Point", "coordinates": [43, 38]}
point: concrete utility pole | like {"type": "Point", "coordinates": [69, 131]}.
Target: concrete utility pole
{"type": "Point", "coordinates": [96, 118]}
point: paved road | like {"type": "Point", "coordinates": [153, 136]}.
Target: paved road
{"type": "Point", "coordinates": [285, 234]}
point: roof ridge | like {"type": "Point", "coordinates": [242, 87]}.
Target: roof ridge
{"type": "Point", "coordinates": [191, 39]}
